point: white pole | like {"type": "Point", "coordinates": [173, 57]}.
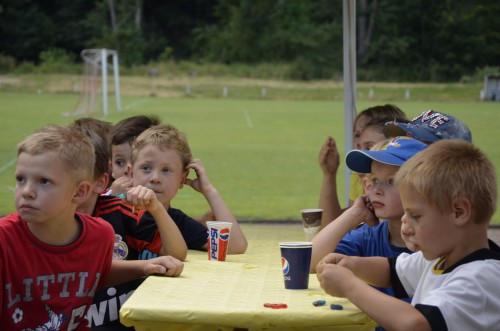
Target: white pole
{"type": "Point", "coordinates": [104, 76]}
{"type": "Point", "coordinates": [117, 81]}
{"type": "Point", "coordinates": [349, 23]}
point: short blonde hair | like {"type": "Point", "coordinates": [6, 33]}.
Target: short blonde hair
{"type": "Point", "coordinates": [164, 137]}
{"type": "Point", "coordinates": [72, 148]}
{"type": "Point", "coordinates": [451, 169]}
{"type": "Point", "coordinates": [380, 145]}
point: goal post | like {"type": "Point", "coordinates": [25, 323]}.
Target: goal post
{"type": "Point", "coordinates": [95, 89]}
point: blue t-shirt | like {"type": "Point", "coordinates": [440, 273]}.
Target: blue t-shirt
{"type": "Point", "coordinates": [370, 241]}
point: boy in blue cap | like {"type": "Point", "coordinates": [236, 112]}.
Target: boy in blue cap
{"type": "Point", "coordinates": [381, 198]}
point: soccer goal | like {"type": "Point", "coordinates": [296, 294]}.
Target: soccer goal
{"type": "Point", "coordinates": [94, 89]}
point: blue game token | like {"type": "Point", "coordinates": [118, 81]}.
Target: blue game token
{"type": "Point", "coordinates": [336, 307]}
{"type": "Point", "coordinates": [319, 303]}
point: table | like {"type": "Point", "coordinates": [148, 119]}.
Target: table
{"type": "Point", "coordinates": [213, 295]}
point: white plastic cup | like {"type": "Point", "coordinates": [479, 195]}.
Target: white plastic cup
{"type": "Point", "coordinates": [311, 220]}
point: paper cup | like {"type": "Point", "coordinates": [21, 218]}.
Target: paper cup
{"type": "Point", "coordinates": [295, 262]}
{"type": "Point", "coordinates": [218, 240]}
{"type": "Point", "coordinates": [311, 220]}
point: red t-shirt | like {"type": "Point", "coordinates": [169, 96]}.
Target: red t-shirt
{"type": "Point", "coordinates": [45, 287]}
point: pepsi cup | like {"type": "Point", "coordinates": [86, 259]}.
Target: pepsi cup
{"type": "Point", "coordinates": [295, 262]}
{"type": "Point", "coordinates": [218, 240]}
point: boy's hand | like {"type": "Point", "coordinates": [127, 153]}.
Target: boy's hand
{"type": "Point", "coordinates": [333, 274]}
{"type": "Point", "coordinates": [336, 258]}
{"type": "Point", "coordinates": [142, 198]}
{"type": "Point", "coordinates": [201, 183]}
{"type": "Point", "coordinates": [329, 157]}
{"type": "Point", "coordinates": [365, 207]}
{"type": "Point", "coordinates": [334, 279]}
{"type": "Point", "coordinates": [164, 265]}
{"type": "Point", "coordinates": [121, 185]}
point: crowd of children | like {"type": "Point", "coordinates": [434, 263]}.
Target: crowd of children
{"type": "Point", "coordinates": [436, 201]}
{"type": "Point", "coordinates": [74, 262]}
{"type": "Point", "coordinates": [95, 199]}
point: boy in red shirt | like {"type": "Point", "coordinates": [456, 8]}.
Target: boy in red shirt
{"type": "Point", "coordinates": [53, 259]}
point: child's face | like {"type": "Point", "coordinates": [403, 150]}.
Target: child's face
{"type": "Point", "coordinates": [44, 188]}
{"type": "Point", "coordinates": [369, 137]}
{"type": "Point", "coordinates": [121, 160]}
{"type": "Point", "coordinates": [358, 128]}
{"type": "Point", "coordinates": [383, 194]}
{"type": "Point", "coordinates": [160, 170]}
{"type": "Point", "coordinates": [426, 228]}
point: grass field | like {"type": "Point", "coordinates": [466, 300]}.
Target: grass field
{"type": "Point", "coordinates": [260, 154]}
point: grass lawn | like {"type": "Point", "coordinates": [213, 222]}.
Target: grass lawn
{"type": "Point", "coordinates": [260, 154]}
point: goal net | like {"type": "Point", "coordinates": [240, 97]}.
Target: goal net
{"type": "Point", "coordinates": [95, 89]}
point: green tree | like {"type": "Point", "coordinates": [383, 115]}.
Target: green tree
{"type": "Point", "coordinates": [25, 30]}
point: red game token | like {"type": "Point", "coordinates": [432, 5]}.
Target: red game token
{"type": "Point", "coordinates": [276, 305]}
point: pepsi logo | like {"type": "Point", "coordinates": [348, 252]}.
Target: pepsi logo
{"type": "Point", "coordinates": [285, 266]}
{"type": "Point", "coordinates": [224, 234]}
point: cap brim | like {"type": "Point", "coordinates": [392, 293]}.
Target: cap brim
{"type": "Point", "coordinates": [361, 160]}
{"type": "Point", "coordinates": [418, 133]}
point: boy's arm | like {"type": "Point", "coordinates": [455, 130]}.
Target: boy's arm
{"type": "Point", "coordinates": [389, 312]}
{"type": "Point", "coordinates": [326, 240]}
{"type": "Point", "coordinates": [237, 242]}
{"type": "Point", "coordinates": [123, 271]}
{"type": "Point", "coordinates": [173, 243]}
{"type": "Point", "coordinates": [328, 199]}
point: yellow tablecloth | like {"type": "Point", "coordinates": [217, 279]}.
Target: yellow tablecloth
{"type": "Point", "coordinates": [226, 295]}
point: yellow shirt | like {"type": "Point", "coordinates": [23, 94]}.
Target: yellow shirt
{"type": "Point", "coordinates": [355, 187]}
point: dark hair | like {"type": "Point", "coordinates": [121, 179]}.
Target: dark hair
{"type": "Point", "coordinates": [100, 127]}
{"type": "Point", "coordinates": [382, 111]}
{"type": "Point", "coordinates": [129, 128]}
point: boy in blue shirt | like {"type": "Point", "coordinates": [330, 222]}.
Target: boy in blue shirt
{"type": "Point", "coordinates": [381, 198]}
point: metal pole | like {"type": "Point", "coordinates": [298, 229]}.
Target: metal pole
{"type": "Point", "coordinates": [104, 76]}
{"type": "Point", "coordinates": [349, 24]}
{"type": "Point", "coordinates": [117, 81]}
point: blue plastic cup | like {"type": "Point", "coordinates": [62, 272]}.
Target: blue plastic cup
{"type": "Point", "coordinates": [295, 262]}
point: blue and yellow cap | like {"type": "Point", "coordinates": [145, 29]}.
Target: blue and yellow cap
{"type": "Point", "coordinates": [395, 152]}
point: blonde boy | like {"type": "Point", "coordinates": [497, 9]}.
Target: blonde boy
{"type": "Point", "coordinates": [52, 259]}
{"type": "Point", "coordinates": [449, 194]}
{"type": "Point", "coordinates": [161, 161]}
{"type": "Point", "coordinates": [381, 198]}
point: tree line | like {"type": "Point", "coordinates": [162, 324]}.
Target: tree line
{"type": "Point", "coordinates": [404, 40]}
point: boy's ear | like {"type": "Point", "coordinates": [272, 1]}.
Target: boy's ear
{"type": "Point", "coordinates": [365, 182]}
{"type": "Point", "coordinates": [111, 168]}
{"type": "Point", "coordinates": [102, 183]}
{"type": "Point", "coordinates": [462, 211]}
{"type": "Point", "coordinates": [83, 191]}
{"type": "Point", "coordinates": [185, 175]}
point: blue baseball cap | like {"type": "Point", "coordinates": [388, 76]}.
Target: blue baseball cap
{"type": "Point", "coordinates": [395, 152]}
{"type": "Point", "coordinates": [430, 126]}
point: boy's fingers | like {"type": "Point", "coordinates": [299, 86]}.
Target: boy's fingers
{"type": "Point", "coordinates": [152, 269]}
{"type": "Point", "coordinates": [175, 271]}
